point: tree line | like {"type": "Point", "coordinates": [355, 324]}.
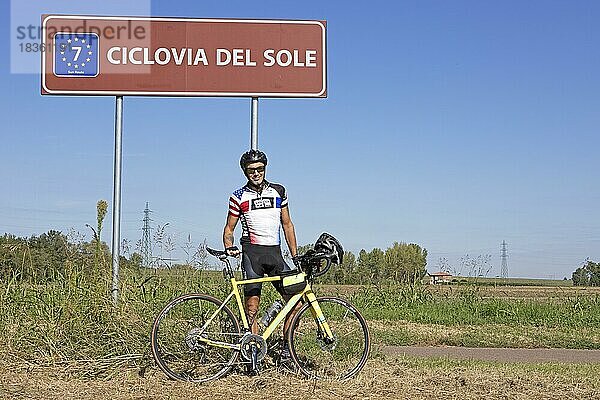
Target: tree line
{"type": "Point", "coordinates": [48, 257]}
{"type": "Point", "coordinates": [399, 263]}
{"type": "Point", "coordinates": [51, 255]}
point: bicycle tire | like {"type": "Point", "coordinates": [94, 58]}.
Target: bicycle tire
{"type": "Point", "coordinates": [341, 360]}
{"type": "Point", "coordinates": [175, 347]}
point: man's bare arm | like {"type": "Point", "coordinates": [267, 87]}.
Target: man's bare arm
{"type": "Point", "coordinates": [289, 231]}
{"type": "Point", "coordinates": [228, 230]}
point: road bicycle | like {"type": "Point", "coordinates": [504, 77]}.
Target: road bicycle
{"type": "Point", "coordinates": [197, 337]}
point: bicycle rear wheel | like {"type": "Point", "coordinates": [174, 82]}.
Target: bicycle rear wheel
{"type": "Point", "coordinates": [176, 338]}
{"type": "Point", "coordinates": [341, 359]}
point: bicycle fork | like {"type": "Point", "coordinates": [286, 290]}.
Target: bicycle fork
{"type": "Point", "coordinates": [322, 325]}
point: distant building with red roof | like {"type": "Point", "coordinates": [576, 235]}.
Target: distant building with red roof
{"type": "Point", "coordinates": [437, 278]}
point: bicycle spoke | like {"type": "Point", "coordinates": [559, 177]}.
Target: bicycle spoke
{"type": "Point", "coordinates": [180, 346]}
{"type": "Point", "coordinates": [318, 357]}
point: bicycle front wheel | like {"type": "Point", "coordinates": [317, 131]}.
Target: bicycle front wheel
{"type": "Point", "coordinates": [320, 359]}
{"type": "Point", "coordinates": [179, 342]}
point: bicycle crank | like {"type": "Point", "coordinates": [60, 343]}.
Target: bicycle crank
{"type": "Point", "coordinates": [253, 347]}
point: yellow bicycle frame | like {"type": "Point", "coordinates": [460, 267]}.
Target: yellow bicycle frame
{"type": "Point", "coordinates": [307, 294]}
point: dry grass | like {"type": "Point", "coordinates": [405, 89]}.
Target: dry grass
{"type": "Point", "coordinates": [519, 292]}
{"type": "Point", "coordinates": [390, 378]}
{"type": "Point", "coordinates": [488, 335]}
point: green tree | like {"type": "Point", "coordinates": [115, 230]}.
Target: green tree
{"type": "Point", "coordinates": [405, 262]}
{"type": "Point", "coordinates": [581, 277]}
{"type": "Point", "coordinates": [37, 258]}
{"type": "Point", "coordinates": [371, 265]}
{"type": "Point", "coordinates": [49, 250]}
{"type": "Point", "coordinates": [594, 269]}
{"type": "Point", "coordinates": [587, 275]}
{"type": "Point", "coordinates": [15, 257]}
{"type": "Point", "coordinates": [343, 273]}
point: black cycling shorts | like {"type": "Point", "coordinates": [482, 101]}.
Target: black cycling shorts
{"type": "Point", "coordinates": [258, 261]}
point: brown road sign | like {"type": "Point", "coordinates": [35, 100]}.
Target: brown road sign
{"type": "Point", "coordinates": [89, 55]}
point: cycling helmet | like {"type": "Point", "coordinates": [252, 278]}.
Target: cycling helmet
{"type": "Point", "coordinates": [328, 244]}
{"type": "Point", "coordinates": [252, 156]}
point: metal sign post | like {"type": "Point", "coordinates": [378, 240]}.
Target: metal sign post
{"type": "Point", "coordinates": [254, 125]}
{"type": "Point", "coordinates": [116, 232]}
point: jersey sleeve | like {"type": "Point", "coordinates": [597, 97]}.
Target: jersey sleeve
{"type": "Point", "coordinates": [284, 198]}
{"type": "Point", "coordinates": [234, 206]}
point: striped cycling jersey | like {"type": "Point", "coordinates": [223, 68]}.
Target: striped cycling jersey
{"type": "Point", "coordinates": [260, 213]}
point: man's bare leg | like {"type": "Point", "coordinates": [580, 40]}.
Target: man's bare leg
{"type": "Point", "coordinates": [286, 324]}
{"type": "Point", "coordinates": [252, 303]}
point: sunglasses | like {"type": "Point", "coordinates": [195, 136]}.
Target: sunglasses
{"type": "Point", "coordinates": [251, 171]}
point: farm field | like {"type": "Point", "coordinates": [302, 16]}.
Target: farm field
{"type": "Point", "coordinates": [492, 291]}
{"type": "Point", "coordinates": [529, 291]}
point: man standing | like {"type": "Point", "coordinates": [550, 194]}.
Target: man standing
{"type": "Point", "coordinates": [263, 209]}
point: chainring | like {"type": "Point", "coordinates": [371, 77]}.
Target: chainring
{"type": "Point", "coordinates": [250, 342]}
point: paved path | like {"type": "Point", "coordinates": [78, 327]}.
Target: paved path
{"type": "Point", "coordinates": [499, 354]}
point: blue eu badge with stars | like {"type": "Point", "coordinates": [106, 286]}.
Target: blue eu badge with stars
{"type": "Point", "coordinates": [76, 54]}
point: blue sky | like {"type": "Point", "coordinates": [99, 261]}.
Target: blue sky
{"type": "Point", "coordinates": [454, 125]}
